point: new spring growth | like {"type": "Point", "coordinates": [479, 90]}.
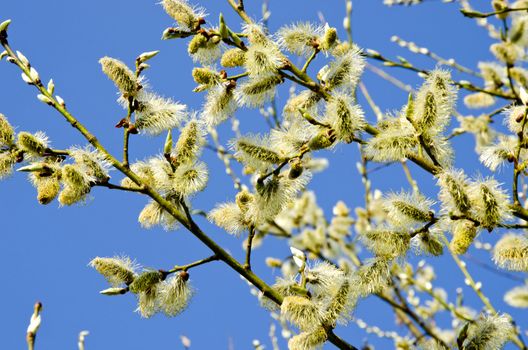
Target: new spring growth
{"type": "Point", "coordinates": [233, 58]}
{"type": "Point", "coordinates": [124, 79]}
{"type": "Point", "coordinates": [205, 77]}
{"type": "Point", "coordinates": [92, 163]}
{"type": "Point", "coordinates": [464, 232]}
{"type": "Point", "coordinates": [187, 17]}
{"type": "Point", "coordinates": [3, 29]}
{"type": "Point", "coordinates": [145, 56]}
{"type": "Point", "coordinates": [300, 39]}
{"type": "Point", "coordinates": [345, 117]}
{"type": "Point", "coordinates": [308, 340]}
{"type": "Point", "coordinates": [511, 252]}
{"type": "Point", "coordinates": [204, 48]}
{"type": "Point", "coordinates": [344, 71]}
{"type": "Point", "coordinates": [227, 34]}
{"type": "Point", "coordinates": [175, 294]}
{"type": "Point", "coordinates": [489, 333]}
{"type": "Point", "coordinates": [491, 203]}
{"type": "Point", "coordinates": [454, 191]}
{"type": "Point", "coordinates": [517, 297]}
{"type": "Point", "coordinates": [48, 187]}
{"type": "Point", "coordinates": [34, 325]}
{"type": "Point", "coordinates": [8, 159]}
{"type": "Point", "coordinates": [146, 281]}
{"type": "Point", "coordinates": [189, 143]}
{"type": "Point", "coordinates": [252, 149]}
{"type": "Point", "coordinates": [301, 312]}
{"type": "Point", "coordinates": [7, 133]}
{"type": "Point", "coordinates": [255, 91]}
{"type": "Point", "coordinates": [34, 144]}
{"type": "Point", "coordinates": [117, 270]}
{"type": "Point", "coordinates": [220, 104]}
{"type": "Point", "coordinates": [167, 146]}
{"type": "Point", "coordinates": [232, 216]}
{"type": "Point", "coordinates": [324, 139]}
{"type": "Point", "coordinates": [157, 114]}
{"type": "Point", "coordinates": [77, 185]}
{"type": "Point", "coordinates": [430, 243]}
{"type": "Point", "coordinates": [153, 214]}
{"type": "Point", "coordinates": [298, 257]}
{"type": "Point", "coordinates": [372, 277]}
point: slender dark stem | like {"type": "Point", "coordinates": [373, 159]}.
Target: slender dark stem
{"type": "Point", "coordinates": [476, 14]}
{"type": "Point", "coordinates": [194, 264]}
{"type": "Point", "coordinates": [118, 187]}
{"type": "Point", "coordinates": [251, 235]}
{"type": "Point", "coordinates": [425, 228]}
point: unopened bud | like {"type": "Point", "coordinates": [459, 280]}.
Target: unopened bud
{"type": "Point", "coordinates": [22, 58]}
{"type": "Point", "coordinates": [51, 87]}
{"type": "Point", "coordinates": [45, 99]}
{"type": "Point", "coordinates": [222, 28]}
{"type": "Point", "coordinates": [167, 148]}
{"type": "Point", "coordinates": [60, 101]}
{"type": "Point", "coordinates": [3, 27]}
{"type": "Point", "coordinates": [114, 291]}
{"type": "Point", "coordinates": [145, 56]}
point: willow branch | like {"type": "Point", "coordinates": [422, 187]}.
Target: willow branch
{"type": "Point", "coordinates": [194, 264]}
{"type": "Point", "coordinates": [476, 14]}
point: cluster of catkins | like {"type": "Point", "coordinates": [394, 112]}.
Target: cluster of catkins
{"type": "Point", "coordinates": [155, 292]}
{"type": "Point", "coordinates": [48, 171]}
{"type": "Point", "coordinates": [176, 174]}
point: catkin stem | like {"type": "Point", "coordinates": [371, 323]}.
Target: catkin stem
{"type": "Point", "coordinates": [251, 235]}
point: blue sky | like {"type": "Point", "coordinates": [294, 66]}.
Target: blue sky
{"type": "Point", "coordinates": [44, 250]}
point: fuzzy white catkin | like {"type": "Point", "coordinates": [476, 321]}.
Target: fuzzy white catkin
{"type": "Point", "coordinates": [511, 252]}
{"type": "Point", "coordinates": [489, 333]}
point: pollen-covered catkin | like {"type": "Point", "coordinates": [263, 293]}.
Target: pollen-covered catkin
{"type": "Point", "coordinates": [257, 90]}
{"type": "Point", "coordinates": [8, 160]}
{"type": "Point", "coordinates": [345, 117]}
{"type": "Point", "coordinates": [189, 143]}
{"type": "Point", "coordinates": [252, 150]}
{"type": "Point", "coordinates": [92, 163]}
{"type": "Point", "coordinates": [511, 252]}
{"type": "Point", "coordinates": [230, 217]}
{"type": "Point", "coordinates": [145, 281]}
{"type": "Point", "coordinates": [308, 340]}
{"type": "Point", "coordinates": [116, 270]}
{"type": "Point", "coordinates": [7, 134]}
{"type": "Point", "coordinates": [77, 185]}
{"type": "Point", "coordinates": [464, 232]}
{"type": "Point", "coordinates": [454, 192]}
{"type": "Point", "coordinates": [491, 203]}
{"type": "Point", "coordinates": [175, 294]}
{"type": "Point", "coordinates": [34, 144]}
{"type": "Point", "coordinates": [233, 58]}
{"type": "Point", "coordinates": [300, 39]}
{"type": "Point", "coordinates": [47, 189]}
{"type": "Point", "coordinates": [124, 79]}
{"type": "Point", "coordinates": [219, 105]}
{"type": "Point", "coordinates": [341, 305]}
{"type": "Point", "coordinates": [407, 209]}
{"type": "Point", "coordinates": [157, 114]}
{"type": "Point", "coordinates": [301, 311]}
{"type": "Point", "coordinates": [372, 277]}
{"type": "Point", "coordinates": [187, 17]}
{"type": "Point", "coordinates": [489, 333]}
{"type": "Point", "coordinates": [517, 297]}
